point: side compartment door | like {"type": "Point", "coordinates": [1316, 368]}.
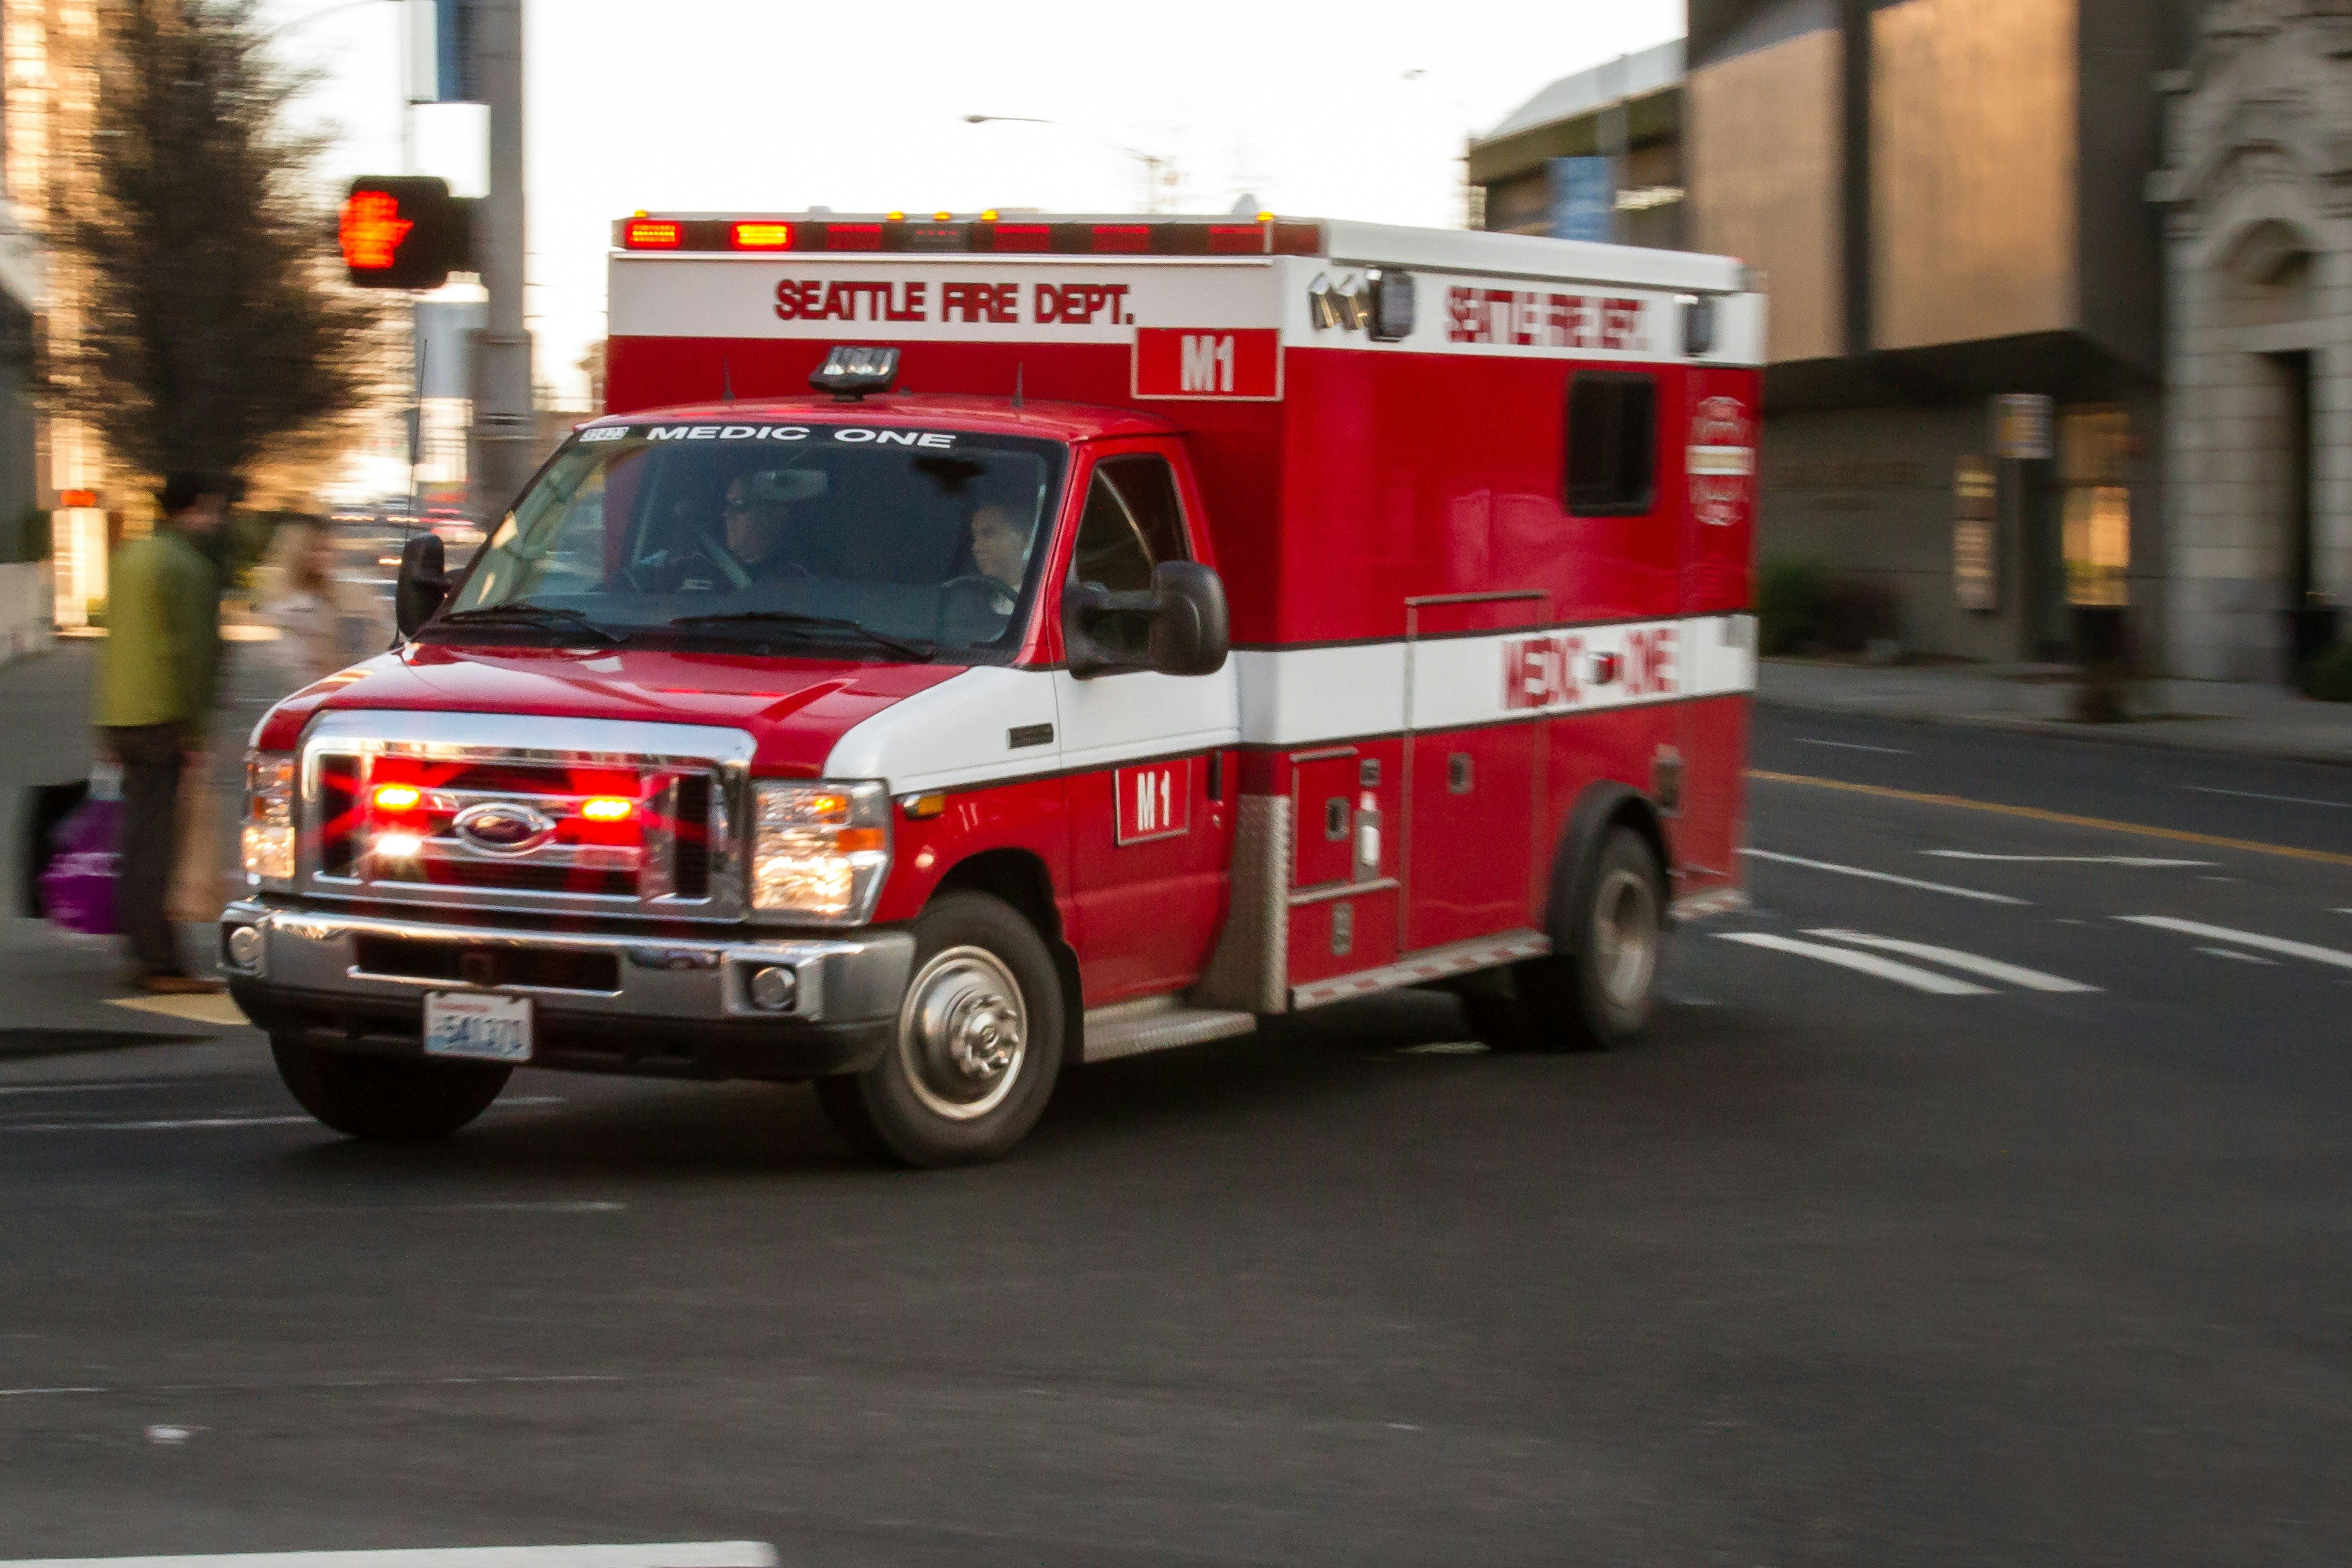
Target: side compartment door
{"type": "Point", "coordinates": [1719, 629]}
{"type": "Point", "coordinates": [1146, 756]}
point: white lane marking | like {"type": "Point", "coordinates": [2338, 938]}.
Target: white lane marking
{"type": "Point", "coordinates": [674, 1554]}
{"type": "Point", "coordinates": [2245, 938]}
{"type": "Point", "coordinates": [2284, 799]}
{"type": "Point", "coordinates": [2240, 957]}
{"type": "Point", "coordinates": [206, 1122]}
{"type": "Point", "coordinates": [1953, 958]}
{"type": "Point", "coordinates": [2066, 860]}
{"type": "Point", "coordinates": [1852, 746]}
{"type": "Point", "coordinates": [1847, 958]}
{"type": "Point", "coordinates": [125, 1085]}
{"type": "Point", "coordinates": [1885, 876]}
{"type": "Point", "coordinates": [189, 1123]}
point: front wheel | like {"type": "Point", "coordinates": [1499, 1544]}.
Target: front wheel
{"type": "Point", "coordinates": [386, 1099]}
{"type": "Point", "coordinates": [976, 1048]}
{"type": "Point", "coordinates": [1602, 992]}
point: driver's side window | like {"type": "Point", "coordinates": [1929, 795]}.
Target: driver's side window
{"type": "Point", "coordinates": [1132, 523]}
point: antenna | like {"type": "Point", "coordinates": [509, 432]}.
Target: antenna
{"type": "Point", "coordinates": [727, 377]}
{"type": "Point", "coordinates": [1017, 369]}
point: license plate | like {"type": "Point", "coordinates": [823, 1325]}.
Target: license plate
{"type": "Point", "coordinates": [465, 1024]}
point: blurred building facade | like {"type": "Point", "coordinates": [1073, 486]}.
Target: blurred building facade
{"type": "Point", "coordinates": [32, 457]}
{"type": "Point", "coordinates": [2258, 234]}
{"type": "Point", "coordinates": [1948, 202]}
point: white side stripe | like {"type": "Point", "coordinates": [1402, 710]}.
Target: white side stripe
{"type": "Point", "coordinates": [1885, 876]}
{"type": "Point", "coordinates": [1867, 964]}
{"type": "Point", "coordinates": [1953, 958]}
{"type": "Point", "coordinates": [2244, 938]}
{"type": "Point", "coordinates": [678, 1554]}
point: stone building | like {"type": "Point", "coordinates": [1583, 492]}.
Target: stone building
{"type": "Point", "coordinates": [2256, 194]}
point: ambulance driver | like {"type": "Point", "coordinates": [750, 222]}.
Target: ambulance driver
{"type": "Point", "coordinates": [1000, 551]}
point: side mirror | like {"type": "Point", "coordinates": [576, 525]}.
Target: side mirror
{"type": "Point", "coordinates": [1177, 626]}
{"type": "Point", "coordinates": [423, 582]}
{"type": "Point", "coordinates": [1190, 633]}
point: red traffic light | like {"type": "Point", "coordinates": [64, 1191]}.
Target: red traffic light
{"type": "Point", "coordinates": [404, 232]}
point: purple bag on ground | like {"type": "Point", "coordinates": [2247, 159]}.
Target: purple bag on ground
{"type": "Point", "coordinates": [77, 888]}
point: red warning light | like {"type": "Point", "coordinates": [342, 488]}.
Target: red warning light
{"type": "Point", "coordinates": [372, 230]}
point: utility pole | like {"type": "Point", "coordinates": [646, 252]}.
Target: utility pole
{"type": "Point", "coordinates": [500, 461]}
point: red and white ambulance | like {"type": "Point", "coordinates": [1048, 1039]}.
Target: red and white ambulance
{"type": "Point", "coordinates": [974, 646]}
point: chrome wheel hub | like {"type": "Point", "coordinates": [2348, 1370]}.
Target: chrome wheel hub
{"type": "Point", "coordinates": [964, 1033]}
{"type": "Point", "coordinates": [1625, 937]}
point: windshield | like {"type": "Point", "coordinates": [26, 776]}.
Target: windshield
{"type": "Point", "coordinates": [887, 542]}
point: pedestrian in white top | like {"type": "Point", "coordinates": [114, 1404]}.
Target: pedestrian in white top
{"type": "Point", "coordinates": [309, 609]}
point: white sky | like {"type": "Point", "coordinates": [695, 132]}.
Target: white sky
{"type": "Point", "coordinates": [723, 105]}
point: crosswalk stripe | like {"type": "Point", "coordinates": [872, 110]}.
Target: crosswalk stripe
{"type": "Point", "coordinates": [1968, 963]}
{"type": "Point", "coordinates": [1884, 877]}
{"type": "Point", "coordinates": [1847, 958]}
{"type": "Point", "coordinates": [2244, 938]}
{"type": "Point", "coordinates": [677, 1554]}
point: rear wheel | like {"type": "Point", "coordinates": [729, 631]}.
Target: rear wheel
{"type": "Point", "coordinates": [1603, 991]}
{"type": "Point", "coordinates": [386, 1099]}
{"type": "Point", "coordinates": [977, 1048]}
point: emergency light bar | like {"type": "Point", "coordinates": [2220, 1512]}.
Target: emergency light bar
{"type": "Point", "coordinates": [987, 234]}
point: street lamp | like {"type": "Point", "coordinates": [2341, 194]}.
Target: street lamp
{"type": "Point", "coordinates": [1158, 173]}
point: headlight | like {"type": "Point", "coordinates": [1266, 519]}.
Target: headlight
{"type": "Point", "coordinates": [819, 850]}
{"type": "Point", "coordinates": [268, 817]}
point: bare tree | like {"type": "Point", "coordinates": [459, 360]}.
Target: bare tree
{"type": "Point", "coordinates": [208, 330]}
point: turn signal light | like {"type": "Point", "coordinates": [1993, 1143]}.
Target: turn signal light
{"type": "Point", "coordinates": [607, 808]}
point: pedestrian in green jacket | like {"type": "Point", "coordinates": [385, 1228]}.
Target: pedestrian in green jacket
{"type": "Point", "coordinates": [155, 691]}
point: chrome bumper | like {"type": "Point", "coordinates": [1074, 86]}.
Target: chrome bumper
{"type": "Point", "coordinates": [852, 979]}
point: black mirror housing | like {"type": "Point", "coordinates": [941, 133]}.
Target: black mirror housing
{"type": "Point", "coordinates": [1177, 626]}
{"type": "Point", "coordinates": [1190, 631]}
{"type": "Point", "coordinates": [423, 582]}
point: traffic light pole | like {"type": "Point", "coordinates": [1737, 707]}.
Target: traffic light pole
{"type": "Point", "coordinates": [501, 437]}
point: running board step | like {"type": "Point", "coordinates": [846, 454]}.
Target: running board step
{"type": "Point", "coordinates": [1157, 1024]}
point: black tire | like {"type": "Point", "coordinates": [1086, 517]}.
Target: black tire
{"type": "Point", "coordinates": [387, 1099]}
{"type": "Point", "coordinates": [978, 1044]}
{"type": "Point", "coordinates": [1603, 989]}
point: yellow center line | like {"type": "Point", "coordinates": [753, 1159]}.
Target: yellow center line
{"type": "Point", "coordinates": [2063, 819]}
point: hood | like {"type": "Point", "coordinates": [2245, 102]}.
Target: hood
{"type": "Point", "coordinates": [794, 709]}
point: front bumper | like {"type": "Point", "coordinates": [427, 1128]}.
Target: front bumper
{"type": "Point", "coordinates": [671, 1006]}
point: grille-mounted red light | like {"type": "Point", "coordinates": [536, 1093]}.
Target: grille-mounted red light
{"type": "Point", "coordinates": [397, 797]}
{"type": "Point", "coordinates": [652, 233]}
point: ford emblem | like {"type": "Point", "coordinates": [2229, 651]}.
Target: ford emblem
{"type": "Point", "coordinates": [504, 828]}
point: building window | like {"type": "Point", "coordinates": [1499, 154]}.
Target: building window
{"type": "Point", "coordinates": [1612, 444]}
{"type": "Point", "coordinates": [2094, 450]}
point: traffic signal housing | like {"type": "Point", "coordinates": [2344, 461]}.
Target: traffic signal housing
{"type": "Point", "coordinates": [405, 231]}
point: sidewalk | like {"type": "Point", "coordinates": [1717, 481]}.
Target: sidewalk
{"type": "Point", "coordinates": [60, 992]}
{"type": "Point", "coordinates": [2198, 715]}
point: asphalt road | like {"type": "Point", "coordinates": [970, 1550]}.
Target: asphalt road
{"type": "Point", "coordinates": [1937, 1261]}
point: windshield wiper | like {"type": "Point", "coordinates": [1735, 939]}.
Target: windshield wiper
{"type": "Point", "coordinates": [530, 615]}
{"type": "Point", "coordinates": [904, 646]}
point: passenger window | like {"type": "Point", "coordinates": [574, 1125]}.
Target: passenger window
{"type": "Point", "coordinates": [1132, 523]}
{"type": "Point", "coordinates": [1612, 444]}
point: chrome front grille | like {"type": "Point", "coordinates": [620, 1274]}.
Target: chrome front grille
{"type": "Point", "coordinates": [500, 812]}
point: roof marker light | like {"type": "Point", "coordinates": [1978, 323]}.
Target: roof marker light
{"type": "Point", "coordinates": [898, 217]}
{"type": "Point", "coordinates": [988, 216]}
{"type": "Point", "coordinates": [850, 373]}
{"type": "Point", "coordinates": [941, 216]}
